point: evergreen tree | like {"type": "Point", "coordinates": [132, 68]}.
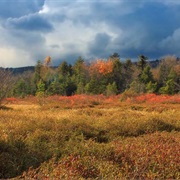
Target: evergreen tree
{"type": "Point", "coordinates": [171, 86]}
{"type": "Point", "coordinates": [168, 88]}
{"type": "Point", "coordinates": [138, 87]}
{"type": "Point", "coordinates": [78, 69]}
{"type": "Point", "coordinates": [116, 75]}
{"type": "Point", "coordinates": [21, 88]}
{"type": "Point", "coordinates": [163, 74]}
{"type": "Point", "coordinates": [111, 89]}
{"type": "Point", "coordinates": [54, 88]}
{"type": "Point", "coordinates": [146, 75]}
{"type": "Point", "coordinates": [115, 56]}
{"type": "Point", "coordinates": [127, 74]}
{"type": "Point", "coordinates": [79, 76]}
{"type": "Point", "coordinates": [151, 87]}
{"type": "Point", "coordinates": [64, 69]}
{"type": "Point", "coordinates": [142, 62]}
{"type": "Point", "coordinates": [80, 88]}
{"type": "Point", "coordinates": [94, 86]}
{"type": "Point", "coordinates": [40, 89]}
{"type": "Point", "coordinates": [70, 88]}
{"type": "Point", "coordinates": [37, 74]}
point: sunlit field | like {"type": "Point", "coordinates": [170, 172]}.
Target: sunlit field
{"type": "Point", "coordinates": [90, 137]}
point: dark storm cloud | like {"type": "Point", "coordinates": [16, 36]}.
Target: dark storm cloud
{"type": "Point", "coordinates": [30, 23]}
{"type": "Point", "coordinates": [145, 28]}
{"type": "Point", "coordinates": [99, 47]}
{"type": "Point", "coordinates": [18, 8]}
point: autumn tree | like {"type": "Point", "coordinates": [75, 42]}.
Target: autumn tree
{"type": "Point", "coordinates": [47, 61]}
{"type": "Point", "coordinates": [177, 79]}
{"type": "Point", "coordinates": [43, 73]}
{"type": "Point", "coordinates": [101, 67]}
{"type": "Point", "coordinates": [106, 72]}
{"type": "Point", "coordinates": [46, 70]}
{"type": "Point", "coordinates": [165, 67]}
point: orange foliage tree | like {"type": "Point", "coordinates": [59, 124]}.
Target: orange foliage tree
{"type": "Point", "coordinates": [101, 66]}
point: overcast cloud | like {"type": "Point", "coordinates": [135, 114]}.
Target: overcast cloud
{"type": "Point", "coordinates": [33, 29]}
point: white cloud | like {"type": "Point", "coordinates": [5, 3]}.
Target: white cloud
{"type": "Point", "coordinates": [73, 38]}
{"type": "Point", "coordinates": [171, 43]}
{"type": "Point", "coordinates": [15, 58]}
{"type": "Point", "coordinates": [45, 9]}
{"type": "Point", "coordinates": [19, 48]}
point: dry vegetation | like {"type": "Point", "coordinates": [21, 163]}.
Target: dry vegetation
{"type": "Point", "coordinates": [95, 137]}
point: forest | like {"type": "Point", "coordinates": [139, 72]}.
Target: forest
{"type": "Point", "coordinates": [108, 77]}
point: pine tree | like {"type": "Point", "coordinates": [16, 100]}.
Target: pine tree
{"type": "Point", "coordinates": [146, 75]}
{"type": "Point", "coordinates": [111, 89]}
{"type": "Point", "coordinates": [40, 89]}
{"type": "Point", "coordinates": [142, 62]}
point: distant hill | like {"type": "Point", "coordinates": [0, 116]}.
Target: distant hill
{"type": "Point", "coordinates": [154, 63]}
{"type": "Point", "coordinates": [21, 70]}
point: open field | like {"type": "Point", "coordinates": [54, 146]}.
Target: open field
{"type": "Point", "coordinates": [95, 137]}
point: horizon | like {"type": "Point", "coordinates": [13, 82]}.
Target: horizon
{"type": "Point", "coordinates": [87, 62]}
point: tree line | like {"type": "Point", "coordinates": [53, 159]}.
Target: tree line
{"type": "Point", "coordinates": [109, 77]}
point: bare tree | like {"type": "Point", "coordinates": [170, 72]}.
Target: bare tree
{"type": "Point", "coordinates": [6, 83]}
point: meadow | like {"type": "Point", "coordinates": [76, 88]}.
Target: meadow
{"type": "Point", "coordinates": [90, 137]}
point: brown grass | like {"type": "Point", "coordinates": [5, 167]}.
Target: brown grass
{"type": "Point", "coordinates": [90, 137]}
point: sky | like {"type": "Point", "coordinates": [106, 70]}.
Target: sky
{"type": "Point", "coordinates": [31, 30]}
